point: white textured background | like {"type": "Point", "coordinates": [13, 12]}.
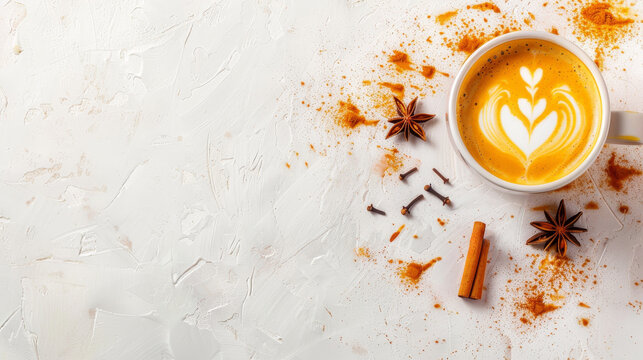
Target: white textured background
{"type": "Point", "coordinates": [146, 211]}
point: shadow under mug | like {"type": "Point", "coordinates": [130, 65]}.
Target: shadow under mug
{"type": "Point", "coordinates": [619, 127]}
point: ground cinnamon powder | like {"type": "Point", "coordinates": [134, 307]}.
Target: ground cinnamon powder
{"type": "Point", "coordinates": [619, 172]}
{"type": "Point", "coordinates": [363, 252]}
{"type": "Point", "coordinates": [551, 279]}
{"type": "Point", "coordinates": [413, 271]}
{"type": "Point", "coordinates": [443, 18]}
{"type": "Point", "coordinates": [428, 71]}
{"type": "Point", "coordinates": [486, 6]}
{"type": "Point", "coordinates": [469, 43]}
{"type": "Point", "coordinates": [397, 89]}
{"type": "Point", "coordinates": [604, 24]}
{"type": "Point", "coordinates": [401, 60]}
{"type": "Point", "coordinates": [592, 205]}
{"type": "Point", "coordinates": [601, 14]}
{"type": "Point", "coordinates": [536, 305]}
{"type": "Point", "coordinates": [396, 234]}
{"type": "Point", "coordinates": [391, 162]}
{"type": "Point", "coordinates": [350, 117]}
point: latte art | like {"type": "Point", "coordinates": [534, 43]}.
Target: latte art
{"type": "Point", "coordinates": [529, 112]}
{"type": "Point", "coordinates": [531, 128]}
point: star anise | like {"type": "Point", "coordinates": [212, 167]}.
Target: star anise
{"type": "Point", "coordinates": [557, 231]}
{"type": "Point", "coordinates": [408, 122]}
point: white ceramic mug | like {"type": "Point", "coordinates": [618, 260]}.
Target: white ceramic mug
{"type": "Point", "coordinates": [622, 127]}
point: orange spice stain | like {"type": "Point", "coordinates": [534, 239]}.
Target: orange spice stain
{"type": "Point", "coordinates": [582, 304]}
{"type": "Point", "coordinates": [469, 43]}
{"type": "Point", "coordinates": [486, 6]}
{"type": "Point", "coordinates": [618, 172]}
{"type": "Point", "coordinates": [428, 71]}
{"type": "Point", "coordinates": [363, 252]}
{"type": "Point", "coordinates": [401, 60]}
{"type": "Point", "coordinates": [554, 31]}
{"type": "Point", "coordinates": [413, 271]}
{"type": "Point", "coordinates": [582, 185]}
{"type": "Point", "coordinates": [584, 321]}
{"type": "Point", "coordinates": [390, 163]}
{"type": "Point", "coordinates": [288, 165]}
{"type": "Point", "coordinates": [540, 208]}
{"type": "Point", "coordinates": [536, 306]}
{"type": "Point", "coordinates": [397, 89]}
{"type": "Point", "coordinates": [601, 13]}
{"type": "Point", "coordinates": [437, 306]}
{"type": "Point", "coordinates": [624, 209]}
{"type": "Point", "coordinates": [443, 18]}
{"type": "Point", "coordinates": [604, 24]}
{"type": "Point", "coordinates": [469, 37]}
{"type": "Point", "coordinates": [550, 280]}
{"type": "Point", "coordinates": [350, 117]}
{"type": "Point", "coordinates": [396, 233]}
{"type": "Point", "coordinates": [442, 222]}
{"type": "Point", "coordinates": [592, 205]}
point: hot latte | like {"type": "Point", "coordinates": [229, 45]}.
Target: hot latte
{"type": "Point", "coordinates": [529, 111]}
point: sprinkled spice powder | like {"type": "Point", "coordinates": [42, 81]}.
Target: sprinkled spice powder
{"type": "Point", "coordinates": [350, 117]}
{"type": "Point", "coordinates": [412, 272]}
{"type": "Point", "coordinates": [428, 71]}
{"type": "Point", "coordinates": [470, 34]}
{"type": "Point", "coordinates": [536, 306]}
{"type": "Point", "coordinates": [401, 60]}
{"type": "Point", "coordinates": [584, 321]}
{"type": "Point", "coordinates": [396, 234]}
{"type": "Point", "coordinates": [443, 18]}
{"type": "Point", "coordinates": [604, 24]}
{"type": "Point", "coordinates": [486, 6]}
{"type": "Point", "coordinates": [601, 14]}
{"type": "Point", "coordinates": [469, 43]}
{"type": "Point", "coordinates": [592, 205]}
{"type": "Point", "coordinates": [363, 252]}
{"type": "Point", "coordinates": [541, 208]}
{"type": "Point", "coordinates": [618, 173]}
{"type": "Point", "coordinates": [551, 279]}
{"type": "Point", "coordinates": [390, 163]}
{"type": "Point", "coordinates": [397, 89]}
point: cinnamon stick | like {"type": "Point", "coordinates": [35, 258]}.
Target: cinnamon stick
{"type": "Point", "coordinates": [478, 283]}
{"type": "Point", "coordinates": [471, 262]}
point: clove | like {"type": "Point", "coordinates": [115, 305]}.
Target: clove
{"type": "Point", "coordinates": [404, 175]}
{"type": "Point", "coordinates": [445, 179]}
{"type": "Point", "coordinates": [372, 208]}
{"type": "Point", "coordinates": [407, 209]}
{"type": "Point", "coordinates": [430, 189]}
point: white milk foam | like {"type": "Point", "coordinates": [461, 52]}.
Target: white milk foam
{"type": "Point", "coordinates": [541, 125]}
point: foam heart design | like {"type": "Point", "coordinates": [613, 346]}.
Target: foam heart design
{"type": "Point", "coordinates": [519, 134]}
{"type": "Point", "coordinates": [532, 112]}
{"type": "Point", "coordinates": [531, 79]}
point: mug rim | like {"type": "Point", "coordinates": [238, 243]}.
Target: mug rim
{"type": "Point", "coordinates": [605, 111]}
